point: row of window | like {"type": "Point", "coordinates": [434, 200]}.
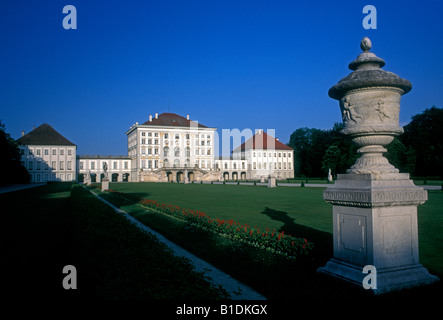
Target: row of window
{"type": "Point", "coordinates": [155, 142]}
{"type": "Point", "coordinates": [176, 151]}
{"type": "Point", "coordinates": [289, 166]}
{"type": "Point", "coordinates": [38, 152]}
{"type": "Point", "coordinates": [176, 136]}
{"type": "Point", "coordinates": [93, 167]}
{"type": "Point", "coordinates": [154, 164]}
{"type": "Point", "coordinates": [51, 177]}
{"type": "Point", "coordinates": [270, 154]}
{"type": "Point", "coordinates": [44, 165]}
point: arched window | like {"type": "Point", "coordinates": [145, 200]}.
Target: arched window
{"type": "Point", "coordinates": [176, 163]}
{"type": "Point", "coordinates": [177, 152]}
{"type": "Point", "coordinates": [166, 163]}
{"type": "Point", "coordinates": [166, 152]}
{"type": "Point", "coordinates": [187, 163]}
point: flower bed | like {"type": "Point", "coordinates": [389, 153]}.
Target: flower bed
{"type": "Point", "coordinates": [276, 242]}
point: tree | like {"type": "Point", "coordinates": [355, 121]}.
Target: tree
{"type": "Point", "coordinates": [422, 136]}
{"type": "Point", "coordinates": [10, 160]}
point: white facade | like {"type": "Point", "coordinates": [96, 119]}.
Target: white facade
{"type": "Point", "coordinates": [49, 162]}
{"type": "Point", "coordinates": [152, 147]}
{"type": "Point", "coordinates": [119, 167]}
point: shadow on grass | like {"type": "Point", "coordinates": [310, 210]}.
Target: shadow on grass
{"type": "Point", "coordinates": [322, 251]}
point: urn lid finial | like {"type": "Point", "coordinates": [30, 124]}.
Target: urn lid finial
{"type": "Point", "coordinates": [366, 44]}
{"type": "Point", "coordinates": [368, 73]}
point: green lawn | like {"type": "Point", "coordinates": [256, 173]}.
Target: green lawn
{"type": "Point", "coordinates": [298, 211]}
{"type": "Point", "coordinates": [46, 228]}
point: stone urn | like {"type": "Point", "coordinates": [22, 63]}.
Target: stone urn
{"type": "Point", "coordinates": [370, 106]}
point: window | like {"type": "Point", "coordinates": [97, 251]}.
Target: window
{"type": "Point", "coordinates": [143, 134]}
{"type": "Point", "coordinates": [166, 163]}
{"type": "Point", "coordinates": [156, 164]}
{"type": "Point", "coordinates": [289, 154]}
{"type": "Point", "coordinates": [226, 165]}
{"type": "Point", "coordinates": [166, 136]}
{"type": "Point", "coordinates": [235, 165]}
{"type": "Point", "coordinates": [69, 152]}
{"type": "Point", "coordinates": [126, 164]}
{"type": "Point", "coordinates": [149, 151]}
{"type": "Point", "coordinates": [143, 150]}
{"type": "Point", "coordinates": [284, 165]}
{"type": "Point", "coordinates": [284, 154]}
{"type": "Point", "coordinates": [177, 152]}
{"type": "Point", "coordinates": [38, 152]}
{"type": "Point", "coordinates": [156, 151]}
{"type": "Point", "coordinates": [69, 165]}
{"type": "Point", "coordinates": [209, 152]}
{"type": "Point", "coordinates": [202, 142]}
{"type": "Point", "coordinates": [176, 163]}
{"type": "Point", "coordinates": [54, 152]}
{"type": "Point", "coordinates": [46, 152]}
{"type": "Point", "coordinates": [156, 134]}
{"type": "Point", "coordinates": [149, 164]}
{"type": "Point", "coordinates": [62, 165]}
{"type": "Point", "coordinates": [114, 165]}
{"type": "Point", "coordinates": [166, 152]}
{"type": "Point", "coordinates": [38, 165]}
{"type": "Point", "coordinates": [80, 165]}
{"type": "Point", "coordinates": [143, 163]}
{"type": "Point", "coordinates": [62, 152]}
{"type": "Point", "coordinates": [155, 141]}
{"type": "Point", "coordinates": [289, 165]}
{"type": "Point", "coordinates": [54, 165]}
{"type": "Point", "coordinates": [242, 165]}
{"type": "Point", "coordinates": [22, 151]}
{"type": "Point", "coordinates": [264, 154]}
{"type": "Point", "coordinates": [143, 141]}
{"type": "Point", "coordinates": [254, 165]}
{"type": "Point", "coordinates": [93, 165]}
{"type": "Point", "coordinates": [279, 154]}
{"type": "Point", "coordinates": [30, 165]}
{"type": "Point", "coordinates": [279, 165]}
{"type": "Point", "coordinates": [177, 136]}
{"type": "Point", "coordinates": [187, 136]}
{"type": "Point", "coordinates": [253, 154]}
{"type": "Point", "coordinates": [149, 141]}
{"type": "Point", "coordinates": [149, 134]}
{"type": "Point", "coordinates": [187, 152]}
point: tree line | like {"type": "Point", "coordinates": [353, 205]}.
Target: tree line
{"type": "Point", "coordinates": [418, 151]}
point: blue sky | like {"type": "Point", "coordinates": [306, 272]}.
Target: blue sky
{"type": "Point", "coordinates": [229, 64]}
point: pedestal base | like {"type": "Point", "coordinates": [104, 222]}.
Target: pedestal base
{"type": "Point", "coordinates": [105, 184]}
{"type": "Point", "coordinates": [375, 223]}
{"type": "Point", "coordinates": [388, 279]}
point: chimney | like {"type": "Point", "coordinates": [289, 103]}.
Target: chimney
{"type": "Point", "coordinates": [187, 117]}
{"type": "Point", "coordinates": [23, 133]}
{"type": "Point", "coordinates": [150, 118]}
{"type": "Point", "coordinates": [156, 115]}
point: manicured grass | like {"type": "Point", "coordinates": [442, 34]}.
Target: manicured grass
{"type": "Point", "coordinates": [46, 228]}
{"type": "Point", "coordinates": [278, 208]}
{"type": "Point", "coordinates": [299, 211]}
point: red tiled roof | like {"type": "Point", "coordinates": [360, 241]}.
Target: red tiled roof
{"type": "Point", "coordinates": [44, 135]}
{"type": "Point", "coordinates": [262, 140]}
{"type": "Point", "coordinates": [171, 119]}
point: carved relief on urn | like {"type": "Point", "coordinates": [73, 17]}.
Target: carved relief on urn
{"type": "Point", "coordinates": [370, 107]}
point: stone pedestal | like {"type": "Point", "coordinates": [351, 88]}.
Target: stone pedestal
{"type": "Point", "coordinates": [272, 182]}
{"type": "Point", "coordinates": [87, 182]}
{"type": "Point", "coordinates": [374, 206]}
{"type": "Point", "coordinates": [105, 184]}
{"type": "Point", "coordinates": [375, 223]}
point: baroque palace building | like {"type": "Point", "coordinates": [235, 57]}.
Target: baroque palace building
{"type": "Point", "coordinates": [167, 147]}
